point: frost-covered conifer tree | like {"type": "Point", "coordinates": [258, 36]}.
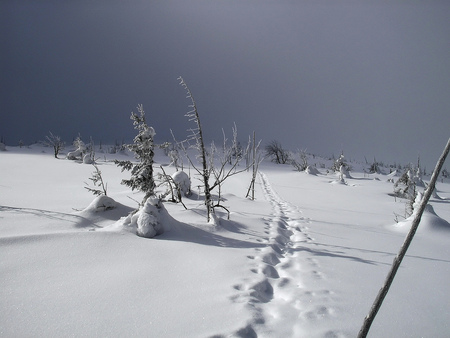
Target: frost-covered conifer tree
{"type": "Point", "coordinates": [143, 148]}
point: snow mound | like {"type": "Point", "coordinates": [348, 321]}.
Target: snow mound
{"type": "Point", "coordinates": [312, 170]}
{"type": "Point", "coordinates": [430, 221]}
{"type": "Point", "coordinates": [101, 203]}
{"type": "Point", "coordinates": [2, 147]}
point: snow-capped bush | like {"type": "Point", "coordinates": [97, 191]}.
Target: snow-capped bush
{"type": "Point", "coordinates": [74, 155]}
{"type": "Point", "coordinates": [183, 182]}
{"type": "Point", "coordinates": [148, 219]}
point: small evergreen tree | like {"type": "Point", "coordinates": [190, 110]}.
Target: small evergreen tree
{"type": "Point", "coordinates": [340, 162]}
{"type": "Point", "coordinates": [143, 148]}
{"type": "Point", "coordinates": [97, 181]}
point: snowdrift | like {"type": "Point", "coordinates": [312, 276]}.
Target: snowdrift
{"type": "Point", "coordinates": [429, 221]}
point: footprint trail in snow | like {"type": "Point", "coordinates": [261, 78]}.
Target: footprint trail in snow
{"type": "Point", "coordinates": [285, 296]}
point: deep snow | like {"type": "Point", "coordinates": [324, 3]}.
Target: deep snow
{"type": "Point", "coordinates": [305, 259]}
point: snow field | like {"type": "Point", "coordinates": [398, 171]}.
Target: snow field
{"type": "Point", "coordinates": [305, 259]}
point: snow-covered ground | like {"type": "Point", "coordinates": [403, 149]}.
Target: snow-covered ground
{"type": "Point", "coordinates": [306, 258]}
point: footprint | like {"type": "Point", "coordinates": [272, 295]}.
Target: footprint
{"type": "Point", "coordinates": [318, 313]}
{"type": "Point", "coordinates": [270, 271]}
{"type": "Point", "coordinates": [262, 291]}
{"type": "Point", "coordinates": [284, 282]}
{"type": "Point", "coordinates": [270, 258]}
{"type": "Point", "coordinates": [246, 332]}
{"type": "Point", "coordinates": [237, 287]}
{"type": "Point", "coordinates": [317, 274]}
{"type": "Point", "coordinates": [277, 249]}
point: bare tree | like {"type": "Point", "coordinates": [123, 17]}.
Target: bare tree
{"type": "Point", "coordinates": [197, 137]}
{"type": "Point", "coordinates": [302, 163]}
{"type": "Point", "coordinates": [55, 142]}
{"type": "Point", "coordinates": [227, 162]}
{"type": "Point", "coordinates": [207, 161]}
{"type": "Point", "coordinates": [275, 151]}
{"type": "Point", "coordinates": [255, 161]}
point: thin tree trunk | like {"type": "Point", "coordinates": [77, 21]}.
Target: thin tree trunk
{"type": "Point", "coordinates": [398, 259]}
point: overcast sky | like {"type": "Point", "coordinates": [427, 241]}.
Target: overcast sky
{"type": "Point", "coordinates": [370, 78]}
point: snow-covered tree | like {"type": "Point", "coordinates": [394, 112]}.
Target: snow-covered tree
{"type": "Point", "coordinates": [80, 150]}
{"type": "Point", "coordinates": [406, 187]}
{"type": "Point", "coordinates": [340, 162]}
{"type": "Point", "coordinates": [143, 148]}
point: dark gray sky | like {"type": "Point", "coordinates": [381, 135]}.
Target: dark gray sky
{"type": "Point", "coordinates": [371, 78]}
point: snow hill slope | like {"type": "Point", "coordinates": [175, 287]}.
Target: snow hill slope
{"type": "Point", "coordinates": [305, 259]}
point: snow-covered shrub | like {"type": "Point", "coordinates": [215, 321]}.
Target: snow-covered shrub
{"type": "Point", "coordinates": [183, 182]}
{"type": "Point", "coordinates": [339, 162]}
{"type": "Point", "coordinates": [405, 187]}
{"type": "Point", "coordinates": [74, 155]}
{"type": "Point", "coordinates": [302, 163]}
{"type": "Point", "coordinates": [147, 220]}
{"type": "Point", "coordinates": [78, 153]}
{"type": "Point", "coordinates": [143, 148]}
{"type": "Point", "coordinates": [2, 147]}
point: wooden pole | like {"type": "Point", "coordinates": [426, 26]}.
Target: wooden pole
{"type": "Point", "coordinates": [398, 259]}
